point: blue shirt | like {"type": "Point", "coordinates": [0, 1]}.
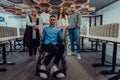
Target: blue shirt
{"type": "Point", "coordinates": [50, 35]}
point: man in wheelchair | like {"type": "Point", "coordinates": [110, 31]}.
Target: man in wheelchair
{"type": "Point", "coordinates": [50, 36]}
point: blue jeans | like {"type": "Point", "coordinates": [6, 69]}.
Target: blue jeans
{"type": "Point", "coordinates": [74, 35]}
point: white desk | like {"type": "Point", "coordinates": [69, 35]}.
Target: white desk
{"type": "Point", "coordinates": [115, 41]}
{"type": "Point", "coordinates": [3, 42]}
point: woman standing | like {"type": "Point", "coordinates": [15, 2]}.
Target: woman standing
{"type": "Point", "coordinates": [31, 36]}
{"type": "Point", "coordinates": [62, 21]}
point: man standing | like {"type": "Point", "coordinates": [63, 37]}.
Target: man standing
{"type": "Point", "coordinates": [74, 20]}
{"type": "Point", "coordinates": [44, 17]}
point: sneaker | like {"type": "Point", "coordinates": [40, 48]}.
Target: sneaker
{"type": "Point", "coordinates": [34, 57]}
{"type": "Point", "coordinates": [43, 75]}
{"type": "Point", "coordinates": [74, 54]}
{"type": "Point", "coordinates": [54, 69]}
{"type": "Point", "coordinates": [78, 56]}
{"type": "Point", "coordinates": [71, 53]}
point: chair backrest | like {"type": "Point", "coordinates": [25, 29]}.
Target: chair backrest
{"type": "Point", "coordinates": [83, 31]}
{"type": "Point", "coordinates": [7, 31]}
{"type": "Point", "coordinates": [108, 30]}
{"type": "Point", "coordinates": [21, 30]}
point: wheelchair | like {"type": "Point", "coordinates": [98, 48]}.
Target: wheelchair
{"type": "Point", "coordinates": [42, 56]}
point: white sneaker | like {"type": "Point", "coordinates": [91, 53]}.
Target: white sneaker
{"type": "Point", "coordinates": [54, 69]}
{"type": "Point", "coordinates": [78, 56]}
{"type": "Point", "coordinates": [74, 53]}
{"type": "Point", "coordinates": [71, 54]}
{"type": "Point", "coordinates": [60, 75]}
{"type": "Point", "coordinates": [43, 75]}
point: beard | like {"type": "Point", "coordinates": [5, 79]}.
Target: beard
{"type": "Point", "coordinates": [52, 23]}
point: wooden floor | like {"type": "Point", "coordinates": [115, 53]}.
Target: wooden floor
{"type": "Point", "coordinates": [24, 69]}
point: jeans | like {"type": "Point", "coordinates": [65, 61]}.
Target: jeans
{"type": "Point", "coordinates": [74, 35]}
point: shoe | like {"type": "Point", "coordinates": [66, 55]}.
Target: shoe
{"type": "Point", "coordinates": [54, 69]}
{"type": "Point", "coordinates": [74, 54]}
{"type": "Point", "coordinates": [34, 57]}
{"type": "Point", "coordinates": [71, 53]}
{"type": "Point", "coordinates": [78, 56]}
{"type": "Point", "coordinates": [60, 75]}
{"type": "Point", "coordinates": [30, 57]}
{"type": "Point", "coordinates": [43, 75]}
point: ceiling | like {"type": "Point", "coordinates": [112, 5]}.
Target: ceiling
{"type": "Point", "coordinates": [21, 7]}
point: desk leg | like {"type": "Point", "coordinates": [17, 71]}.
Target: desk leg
{"type": "Point", "coordinates": [14, 44]}
{"type": "Point", "coordinates": [92, 46]}
{"type": "Point", "coordinates": [4, 54]}
{"type": "Point", "coordinates": [10, 46]}
{"type": "Point", "coordinates": [116, 77]}
{"type": "Point", "coordinates": [113, 62]}
{"type": "Point", "coordinates": [4, 57]}
{"type": "Point", "coordinates": [82, 47]}
{"type": "Point", "coordinates": [3, 69]}
{"type": "Point", "coordinates": [96, 48]}
{"type": "Point", "coordinates": [103, 58]}
{"type": "Point", "coordinates": [96, 44]}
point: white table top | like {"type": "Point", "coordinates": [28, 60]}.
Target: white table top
{"type": "Point", "coordinates": [110, 39]}
{"type": "Point", "coordinates": [9, 38]}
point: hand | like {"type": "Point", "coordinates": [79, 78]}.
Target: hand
{"type": "Point", "coordinates": [64, 27]}
{"type": "Point", "coordinates": [36, 27]}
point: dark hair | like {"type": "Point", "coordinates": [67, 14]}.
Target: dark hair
{"type": "Point", "coordinates": [58, 13]}
{"type": "Point", "coordinates": [46, 10]}
{"type": "Point", "coordinates": [53, 16]}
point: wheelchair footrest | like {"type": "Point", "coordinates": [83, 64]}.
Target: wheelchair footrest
{"type": "Point", "coordinates": [59, 71]}
{"type": "Point", "coordinates": [43, 71]}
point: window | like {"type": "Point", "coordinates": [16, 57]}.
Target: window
{"type": "Point", "coordinates": [2, 19]}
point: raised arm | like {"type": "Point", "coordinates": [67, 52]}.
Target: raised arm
{"type": "Point", "coordinates": [62, 33]}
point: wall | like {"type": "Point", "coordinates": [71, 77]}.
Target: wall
{"type": "Point", "coordinates": [111, 14]}
{"type": "Point", "coordinates": [11, 21]}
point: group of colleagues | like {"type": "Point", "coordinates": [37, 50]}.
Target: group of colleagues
{"type": "Point", "coordinates": [49, 28]}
